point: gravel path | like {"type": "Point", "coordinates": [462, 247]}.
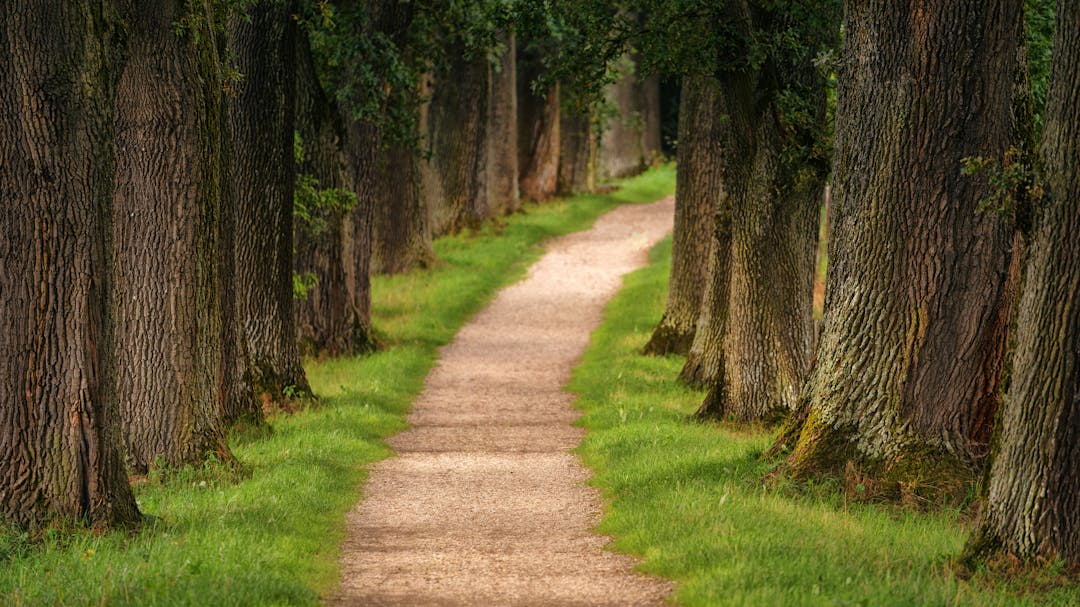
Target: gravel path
{"type": "Point", "coordinates": [484, 503]}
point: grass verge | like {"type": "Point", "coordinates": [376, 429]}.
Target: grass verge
{"type": "Point", "coordinates": [688, 497]}
{"type": "Point", "coordinates": [272, 538]}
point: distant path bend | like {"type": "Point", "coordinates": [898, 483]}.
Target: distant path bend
{"type": "Point", "coordinates": [484, 503]}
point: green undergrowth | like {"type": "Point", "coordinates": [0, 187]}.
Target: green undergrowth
{"type": "Point", "coordinates": [271, 537]}
{"type": "Point", "coordinates": [689, 497]}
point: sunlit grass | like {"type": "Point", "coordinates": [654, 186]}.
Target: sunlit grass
{"type": "Point", "coordinates": [272, 538]}
{"type": "Point", "coordinates": [689, 498]}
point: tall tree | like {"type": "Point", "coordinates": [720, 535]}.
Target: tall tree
{"type": "Point", "coordinates": [627, 134]}
{"type": "Point", "coordinates": [455, 133]}
{"type": "Point", "coordinates": [906, 379]}
{"type": "Point", "coordinates": [698, 189]}
{"type": "Point", "coordinates": [59, 424]}
{"type": "Point", "coordinates": [1033, 504]}
{"type": "Point", "coordinates": [775, 162]}
{"type": "Point", "coordinates": [327, 322]}
{"type": "Point", "coordinates": [539, 123]}
{"type": "Point", "coordinates": [170, 259]}
{"type": "Point", "coordinates": [577, 152]}
{"type": "Point", "coordinates": [262, 120]}
{"type": "Point", "coordinates": [502, 129]}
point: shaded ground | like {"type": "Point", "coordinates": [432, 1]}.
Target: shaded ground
{"type": "Point", "coordinates": [484, 504]}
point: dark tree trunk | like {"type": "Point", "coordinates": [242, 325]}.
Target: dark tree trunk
{"type": "Point", "coordinates": [400, 232]}
{"type": "Point", "coordinates": [456, 123]}
{"type": "Point", "coordinates": [906, 382]}
{"type": "Point", "coordinates": [538, 131]}
{"type": "Point", "coordinates": [402, 238]}
{"type": "Point", "coordinates": [775, 186]}
{"type": "Point", "coordinates": [502, 132]}
{"type": "Point", "coordinates": [577, 155]}
{"type": "Point", "coordinates": [705, 361]}
{"type": "Point", "coordinates": [1033, 505]}
{"type": "Point", "coordinates": [649, 91]}
{"type": "Point", "coordinates": [169, 203]}
{"type": "Point", "coordinates": [366, 158]}
{"type": "Point", "coordinates": [262, 118]}
{"type": "Point", "coordinates": [327, 323]}
{"type": "Point", "coordinates": [622, 143]}
{"type": "Point", "coordinates": [60, 437]}
{"type": "Point", "coordinates": [698, 187]}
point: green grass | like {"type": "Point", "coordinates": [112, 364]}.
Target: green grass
{"type": "Point", "coordinates": [689, 499]}
{"type": "Point", "coordinates": [273, 537]}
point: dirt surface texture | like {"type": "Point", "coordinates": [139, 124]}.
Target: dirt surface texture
{"type": "Point", "coordinates": [485, 504]}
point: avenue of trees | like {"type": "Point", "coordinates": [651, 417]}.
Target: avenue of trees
{"type": "Point", "coordinates": [196, 193]}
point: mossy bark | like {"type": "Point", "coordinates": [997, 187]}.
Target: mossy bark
{"type": "Point", "coordinates": [262, 122]}
{"type": "Point", "coordinates": [171, 301]}
{"type": "Point", "coordinates": [59, 421]}
{"type": "Point", "coordinates": [698, 186]}
{"type": "Point", "coordinates": [917, 304]}
{"type": "Point", "coordinates": [1033, 502]}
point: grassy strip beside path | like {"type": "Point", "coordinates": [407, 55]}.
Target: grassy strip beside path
{"type": "Point", "coordinates": [272, 538]}
{"type": "Point", "coordinates": [688, 497]}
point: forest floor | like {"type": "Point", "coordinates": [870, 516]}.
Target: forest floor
{"type": "Point", "coordinates": [485, 503]}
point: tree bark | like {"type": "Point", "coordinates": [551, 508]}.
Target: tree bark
{"type": "Point", "coordinates": [577, 155]}
{"type": "Point", "coordinates": [698, 187]}
{"type": "Point", "coordinates": [59, 424]}
{"type": "Point", "coordinates": [622, 143]}
{"type": "Point", "coordinates": [538, 131]}
{"type": "Point", "coordinates": [649, 91]}
{"type": "Point", "coordinates": [906, 382]}
{"type": "Point", "coordinates": [327, 323]}
{"type": "Point", "coordinates": [454, 177]}
{"type": "Point", "coordinates": [402, 238]}
{"type": "Point", "coordinates": [502, 131]}
{"type": "Point", "coordinates": [400, 232]}
{"type": "Point", "coordinates": [775, 185]}
{"type": "Point", "coordinates": [1033, 506]}
{"type": "Point", "coordinates": [262, 119]}
{"type": "Point", "coordinates": [169, 202]}
{"type": "Point", "coordinates": [704, 364]}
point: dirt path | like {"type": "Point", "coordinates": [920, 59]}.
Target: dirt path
{"type": "Point", "coordinates": [484, 504]}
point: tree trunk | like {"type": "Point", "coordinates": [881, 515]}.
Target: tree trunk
{"type": "Point", "coordinates": [906, 382]}
{"type": "Point", "coordinates": [538, 131]}
{"type": "Point", "coordinates": [649, 91]}
{"type": "Point", "coordinates": [59, 423]}
{"type": "Point", "coordinates": [366, 158]}
{"type": "Point", "coordinates": [775, 187]}
{"type": "Point", "coordinates": [456, 124]}
{"type": "Point", "coordinates": [622, 143]}
{"type": "Point", "coordinates": [327, 323]}
{"type": "Point", "coordinates": [502, 132]}
{"type": "Point", "coordinates": [1033, 508]}
{"type": "Point", "coordinates": [698, 186]}
{"type": "Point", "coordinates": [402, 238]}
{"type": "Point", "coordinates": [577, 155]}
{"type": "Point", "coordinates": [705, 360]}
{"type": "Point", "coordinates": [262, 118]}
{"type": "Point", "coordinates": [169, 201]}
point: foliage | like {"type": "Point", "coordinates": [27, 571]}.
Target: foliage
{"type": "Point", "coordinates": [1040, 44]}
{"type": "Point", "coordinates": [1015, 187]}
{"type": "Point", "coordinates": [272, 537]}
{"type": "Point", "coordinates": [689, 497]}
{"type": "Point", "coordinates": [372, 55]}
{"type": "Point", "coordinates": [315, 210]}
